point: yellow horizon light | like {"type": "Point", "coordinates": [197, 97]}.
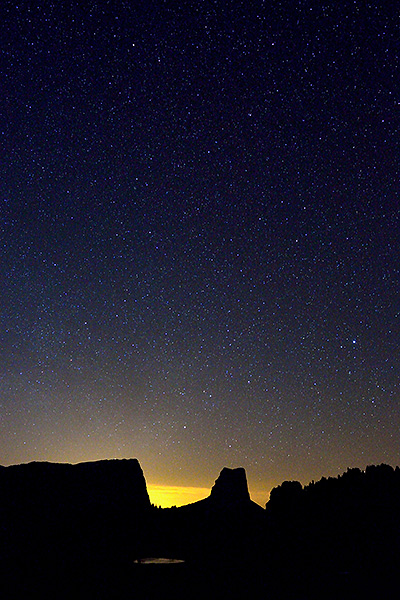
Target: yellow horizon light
{"type": "Point", "coordinates": [175, 495]}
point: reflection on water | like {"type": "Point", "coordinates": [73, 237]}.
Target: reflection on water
{"type": "Point", "coordinates": [158, 561]}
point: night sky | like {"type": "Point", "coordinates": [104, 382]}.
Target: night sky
{"type": "Point", "coordinates": [200, 236]}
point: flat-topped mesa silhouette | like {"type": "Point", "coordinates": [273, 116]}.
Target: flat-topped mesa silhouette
{"type": "Point", "coordinates": [60, 511]}
{"type": "Point", "coordinates": [230, 488]}
{"type": "Point", "coordinates": [114, 483]}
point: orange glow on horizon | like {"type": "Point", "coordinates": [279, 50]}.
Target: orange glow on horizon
{"type": "Point", "coordinates": [175, 495]}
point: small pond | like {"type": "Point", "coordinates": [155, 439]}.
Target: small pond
{"type": "Point", "coordinates": [158, 561]}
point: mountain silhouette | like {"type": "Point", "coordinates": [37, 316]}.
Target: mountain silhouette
{"type": "Point", "coordinates": [230, 488]}
{"type": "Point", "coordinates": [217, 529]}
{"type": "Point", "coordinates": [59, 521]}
{"type": "Point", "coordinates": [87, 530]}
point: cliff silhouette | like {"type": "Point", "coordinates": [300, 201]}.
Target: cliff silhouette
{"type": "Point", "coordinates": [61, 521]}
{"type": "Point", "coordinates": [81, 531]}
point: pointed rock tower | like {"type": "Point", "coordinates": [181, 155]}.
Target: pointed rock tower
{"type": "Point", "coordinates": [230, 488]}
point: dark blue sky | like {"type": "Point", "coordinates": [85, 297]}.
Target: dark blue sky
{"type": "Point", "coordinates": [200, 236]}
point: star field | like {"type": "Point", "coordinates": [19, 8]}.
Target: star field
{"type": "Point", "coordinates": [200, 236]}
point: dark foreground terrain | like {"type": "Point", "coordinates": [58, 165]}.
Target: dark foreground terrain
{"type": "Point", "coordinates": [82, 531]}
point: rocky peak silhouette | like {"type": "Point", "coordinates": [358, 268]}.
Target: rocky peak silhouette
{"type": "Point", "coordinates": [230, 487]}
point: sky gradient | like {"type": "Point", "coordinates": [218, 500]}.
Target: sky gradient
{"type": "Point", "coordinates": [200, 237]}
